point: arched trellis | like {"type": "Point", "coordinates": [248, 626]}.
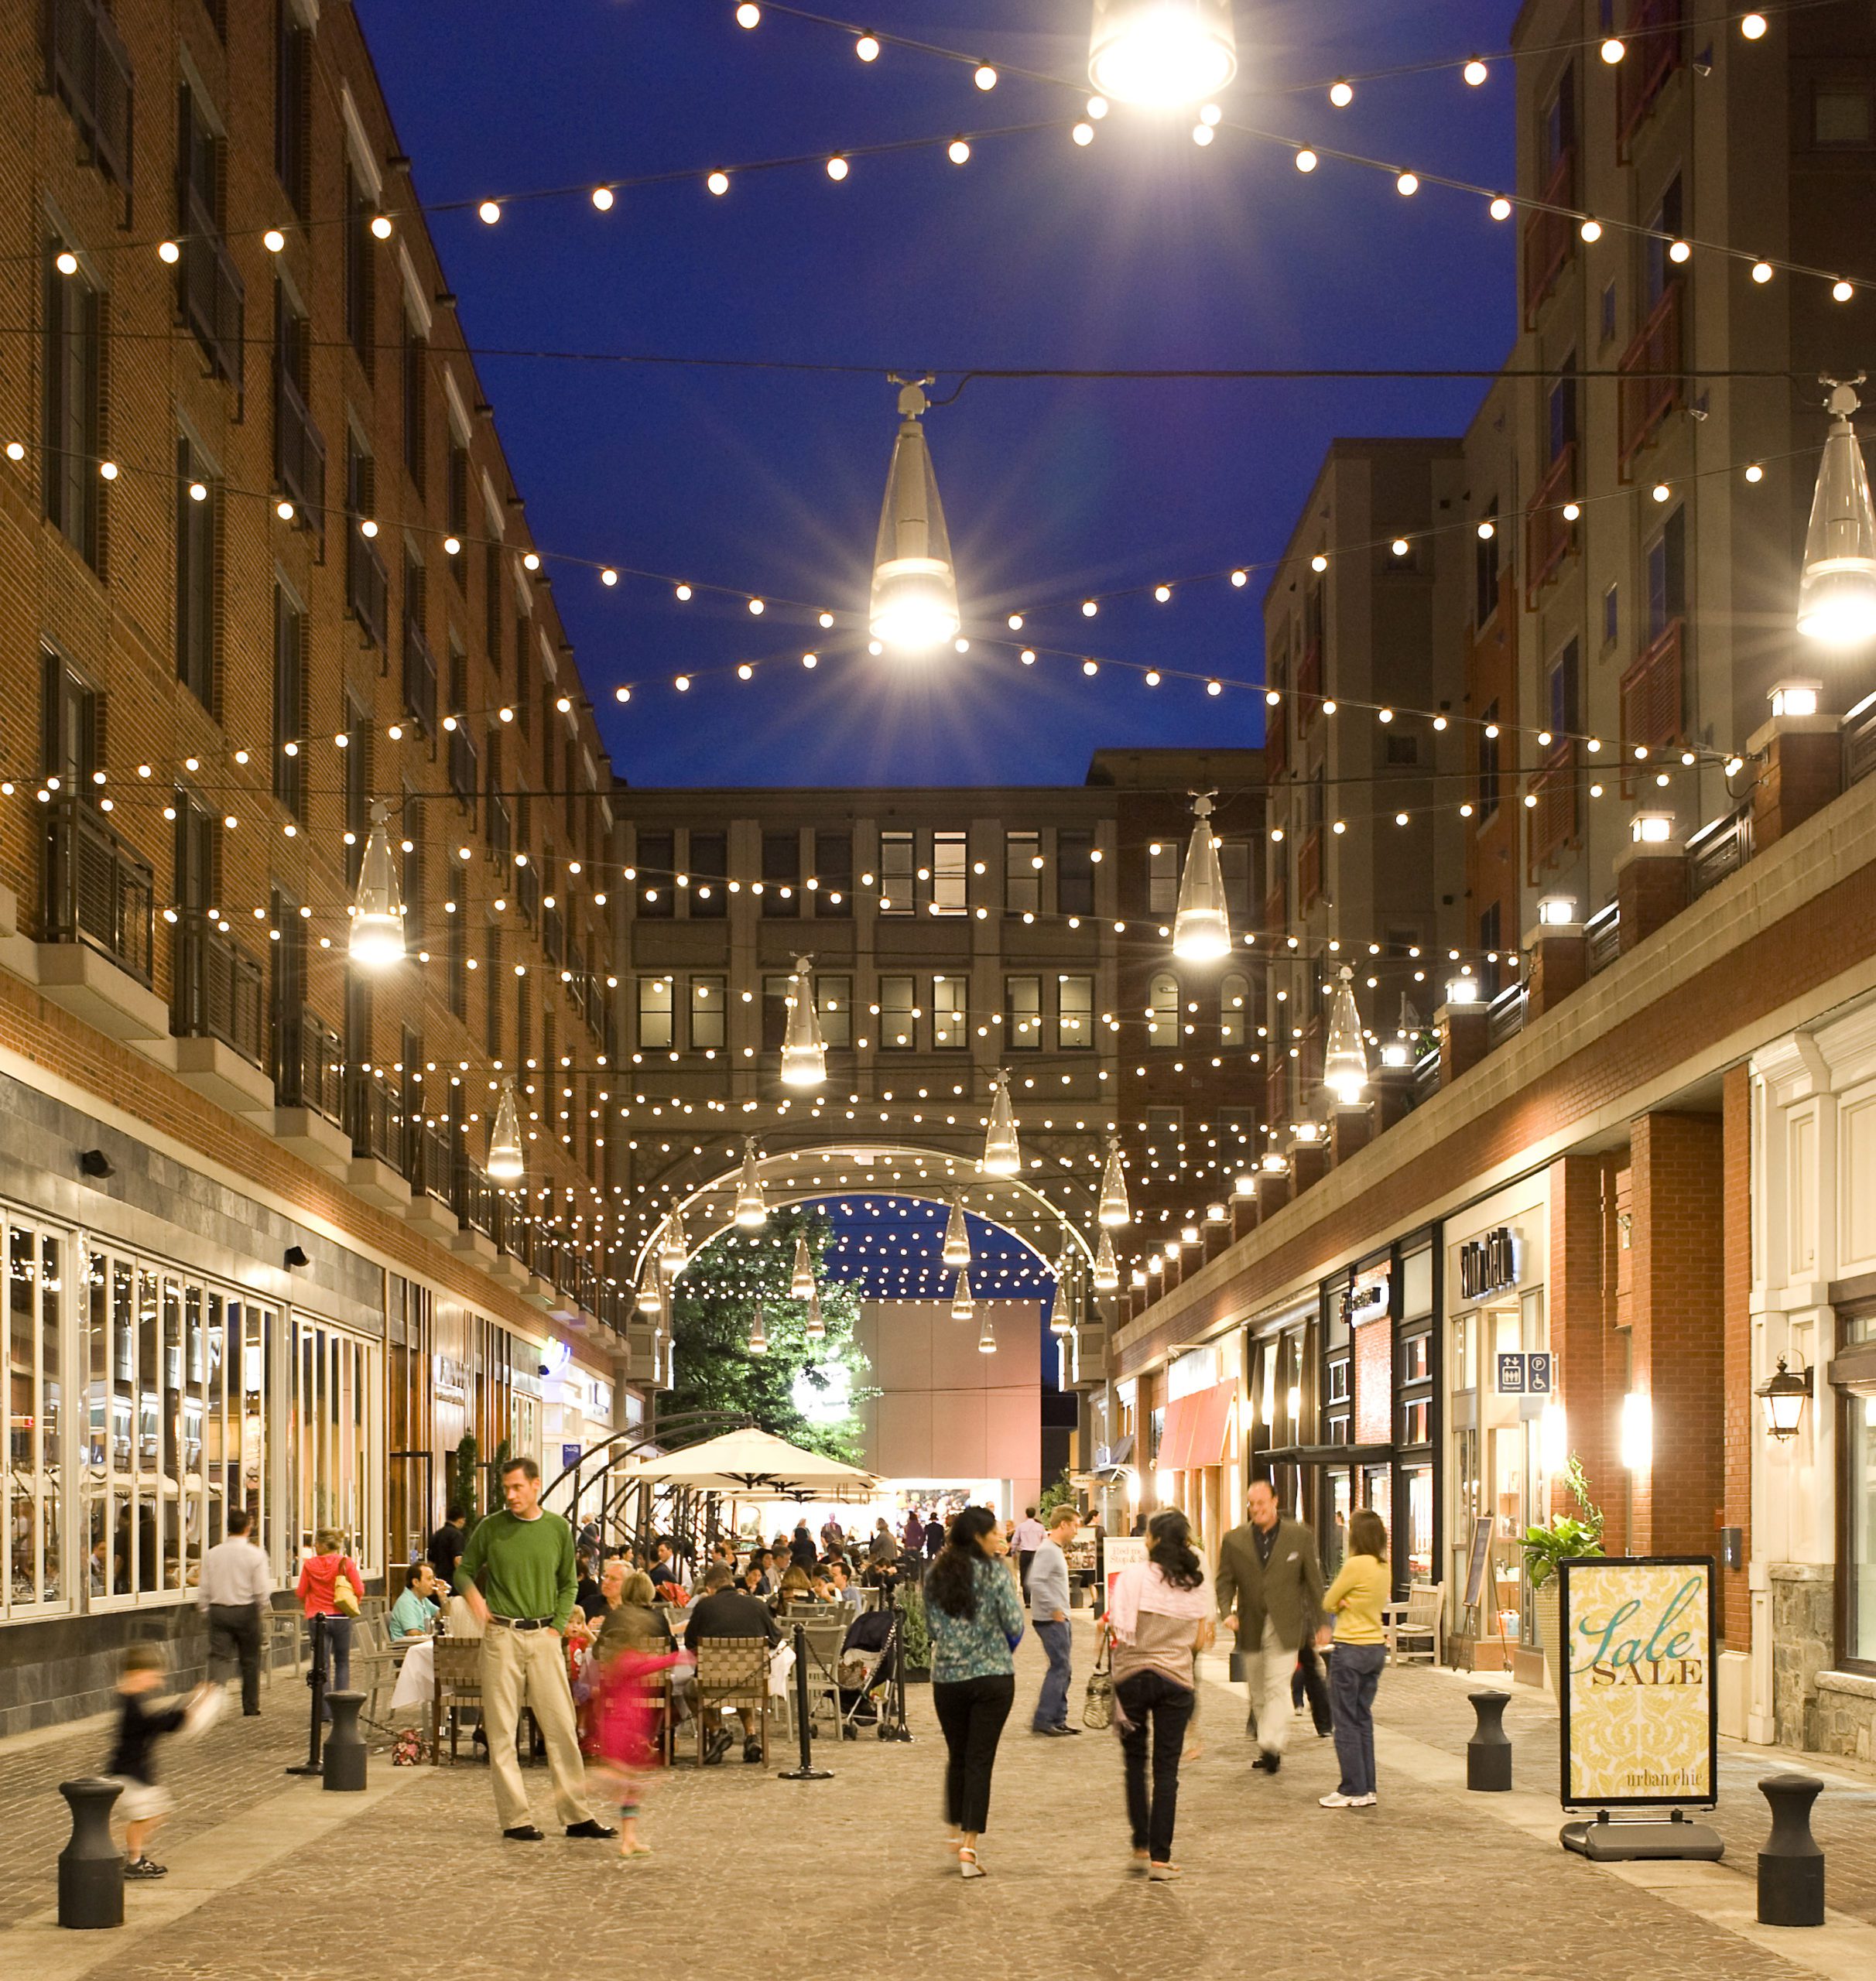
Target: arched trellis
{"type": "Point", "coordinates": [593, 1494]}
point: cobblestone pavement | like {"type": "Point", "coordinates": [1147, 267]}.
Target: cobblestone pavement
{"type": "Point", "coordinates": [850, 1871]}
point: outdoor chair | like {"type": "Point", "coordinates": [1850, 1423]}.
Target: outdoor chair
{"type": "Point", "coordinates": [1414, 1626]}
{"type": "Point", "coordinates": [459, 1683]}
{"type": "Point", "coordinates": [732, 1672]}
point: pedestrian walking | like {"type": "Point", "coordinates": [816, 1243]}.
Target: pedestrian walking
{"type": "Point", "coordinates": [976, 1623]}
{"type": "Point", "coordinates": [445, 1546]}
{"type": "Point", "coordinates": [1310, 1683]}
{"type": "Point", "coordinates": [1354, 1599]}
{"type": "Point", "coordinates": [331, 1586]}
{"type": "Point", "coordinates": [142, 1801]}
{"type": "Point", "coordinates": [517, 1575]}
{"type": "Point", "coordinates": [1159, 1619]}
{"type": "Point", "coordinates": [1267, 1569]}
{"type": "Point", "coordinates": [1048, 1613]}
{"type": "Point", "coordinates": [234, 1591]}
{"type": "Point", "coordinates": [1026, 1535]}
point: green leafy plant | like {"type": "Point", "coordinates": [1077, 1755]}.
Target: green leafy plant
{"type": "Point", "coordinates": [1060, 1492]}
{"type": "Point", "coordinates": [463, 1480]}
{"type": "Point", "coordinates": [914, 1632]}
{"type": "Point", "coordinates": [505, 1452]}
{"type": "Point", "coordinates": [1564, 1537]}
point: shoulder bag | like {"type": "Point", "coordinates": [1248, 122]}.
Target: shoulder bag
{"type": "Point", "coordinates": [1098, 1707]}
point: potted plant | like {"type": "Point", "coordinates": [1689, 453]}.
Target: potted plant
{"type": "Point", "coordinates": [914, 1637]}
{"type": "Point", "coordinates": [1562, 1538]}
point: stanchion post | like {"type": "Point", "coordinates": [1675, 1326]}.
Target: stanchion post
{"type": "Point", "coordinates": [807, 1771]}
{"type": "Point", "coordinates": [90, 1866]}
{"type": "Point", "coordinates": [1791, 1867]}
{"type": "Point", "coordinates": [1488, 1753]}
{"type": "Point", "coordinates": [316, 1682]}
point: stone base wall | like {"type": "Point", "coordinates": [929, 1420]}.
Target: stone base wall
{"type": "Point", "coordinates": [1843, 1719]}
{"type": "Point", "coordinates": [1803, 1644]}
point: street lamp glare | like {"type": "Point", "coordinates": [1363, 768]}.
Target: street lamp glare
{"type": "Point", "coordinates": [1163, 54]}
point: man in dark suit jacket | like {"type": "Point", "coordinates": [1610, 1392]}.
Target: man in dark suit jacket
{"type": "Point", "coordinates": [723, 1612]}
{"type": "Point", "coordinates": [1268, 1568]}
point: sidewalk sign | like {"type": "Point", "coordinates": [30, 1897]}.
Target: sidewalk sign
{"type": "Point", "coordinates": [1121, 1551]}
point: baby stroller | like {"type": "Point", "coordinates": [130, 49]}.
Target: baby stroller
{"type": "Point", "coordinates": [868, 1653]}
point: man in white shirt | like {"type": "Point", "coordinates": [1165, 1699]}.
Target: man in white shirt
{"type": "Point", "coordinates": [1049, 1610]}
{"type": "Point", "coordinates": [234, 1589]}
{"type": "Point", "coordinates": [1025, 1537]}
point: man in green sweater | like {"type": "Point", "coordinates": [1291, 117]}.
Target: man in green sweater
{"type": "Point", "coordinates": [518, 1575]}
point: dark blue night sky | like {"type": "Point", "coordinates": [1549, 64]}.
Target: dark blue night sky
{"type": "Point", "coordinates": [1141, 250]}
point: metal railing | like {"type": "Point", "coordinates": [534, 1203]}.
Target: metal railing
{"type": "Point", "coordinates": [368, 588]}
{"type": "Point", "coordinates": [1604, 933]}
{"type": "Point", "coordinates": [374, 1119]}
{"type": "Point", "coordinates": [209, 291]}
{"type": "Point", "coordinates": [1719, 849]}
{"type": "Point", "coordinates": [463, 765]}
{"type": "Point", "coordinates": [1652, 384]}
{"type": "Point", "coordinates": [1426, 1077]}
{"type": "Point", "coordinates": [1504, 1016]}
{"type": "Point", "coordinates": [1549, 536]}
{"type": "Point", "coordinates": [1652, 713]}
{"type": "Point", "coordinates": [220, 991]}
{"type": "Point", "coordinates": [88, 68]}
{"type": "Point", "coordinates": [1549, 234]}
{"type": "Point", "coordinates": [419, 676]}
{"type": "Point", "coordinates": [299, 452]}
{"type": "Point", "coordinates": [310, 1066]}
{"type": "Point", "coordinates": [429, 1165]}
{"type": "Point", "coordinates": [476, 1204]}
{"type": "Point", "coordinates": [1860, 742]}
{"type": "Point", "coordinates": [1654, 39]}
{"type": "Point", "coordinates": [98, 890]}
{"type": "Point", "coordinates": [553, 935]}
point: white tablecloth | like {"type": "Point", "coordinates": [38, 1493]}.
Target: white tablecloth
{"type": "Point", "coordinates": [416, 1678]}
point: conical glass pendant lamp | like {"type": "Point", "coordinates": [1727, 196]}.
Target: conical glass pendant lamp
{"type": "Point", "coordinates": [816, 1328]}
{"type": "Point", "coordinates": [1345, 1063]}
{"type": "Point", "coordinates": [1106, 1267]}
{"type": "Point", "coordinates": [987, 1337]}
{"type": "Point", "coordinates": [1836, 594]}
{"type": "Point", "coordinates": [377, 937]}
{"type": "Point", "coordinates": [758, 1331]}
{"type": "Point", "coordinates": [673, 1245]}
{"type": "Point", "coordinates": [1002, 1157]}
{"type": "Point", "coordinates": [505, 1165]}
{"type": "Point", "coordinates": [914, 604]}
{"type": "Point", "coordinates": [650, 1300]}
{"type": "Point", "coordinates": [1201, 931]}
{"type": "Point", "coordinates": [752, 1206]}
{"type": "Point", "coordinates": [801, 1284]}
{"type": "Point", "coordinates": [1114, 1209]}
{"type": "Point", "coordinates": [1163, 53]}
{"type": "Point", "coordinates": [963, 1306]}
{"type": "Point", "coordinates": [956, 1253]}
{"type": "Point", "coordinates": [804, 1054]}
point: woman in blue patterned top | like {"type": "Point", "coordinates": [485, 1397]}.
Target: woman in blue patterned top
{"type": "Point", "coordinates": [975, 1619]}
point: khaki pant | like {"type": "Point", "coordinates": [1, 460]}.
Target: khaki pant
{"type": "Point", "coordinates": [528, 1668]}
{"type": "Point", "coordinates": [1267, 1670]}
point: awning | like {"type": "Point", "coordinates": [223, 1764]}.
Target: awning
{"type": "Point", "coordinates": [1195, 1427]}
{"type": "Point", "coordinates": [1176, 1435]}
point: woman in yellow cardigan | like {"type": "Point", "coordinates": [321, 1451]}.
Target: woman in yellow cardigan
{"type": "Point", "coordinates": [1354, 1600]}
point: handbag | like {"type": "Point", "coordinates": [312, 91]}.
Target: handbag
{"type": "Point", "coordinates": [345, 1597]}
{"type": "Point", "coordinates": [1097, 1706]}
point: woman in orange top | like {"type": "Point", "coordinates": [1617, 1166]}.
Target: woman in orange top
{"type": "Point", "coordinates": [319, 1575]}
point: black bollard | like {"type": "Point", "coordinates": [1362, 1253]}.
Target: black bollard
{"type": "Point", "coordinates": [1791, 1867]}
{"type": "Point", "coordinates": [807, 1771]}
{"type": "Point", "coordinates": [316, 1682]}
{"type": "Point", "coordinates": [90, 1866]}
{"type": "Point", "coordinates": [1488, 1753]}
{"type": "Point", "coordinates": [344, 1766]}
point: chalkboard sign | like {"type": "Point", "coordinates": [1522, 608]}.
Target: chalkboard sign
{"type": "Point", "coordinates": [1478, 1561]}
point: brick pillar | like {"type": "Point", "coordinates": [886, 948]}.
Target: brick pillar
{"type": "Point", "coordinates": [1651, 889]}
{"type": "Point", "coordinates": [1393, 1097]}
{"type": "Point", "coordinates": [1676, 1303]}
{"type": "Point", "coordinates": [1273, 1192]}
{"type": "Point", "coordinates": [1243, 1216]}
{"type": "Point", "coordinates": [1465, 1036]}
{"type": "Point", "coordinates": [1801, 770]}
{"type": "Point", "coordinates": [1740, 1404]}
{"type": "Point", "coordinates": [1559, 954]}
{"type": "Point", "coordinates": [1581, 1306]}
{"type": "Point", "coordinates": [1352, 1129]}
{"type": "Point", "coordinates": [1309, 1164]}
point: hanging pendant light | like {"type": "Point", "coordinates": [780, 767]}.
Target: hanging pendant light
{"type": "Point", "coordinates": [816, 1329]}
{"type": "Point", "coordinates": [752, 1206]}
{"type": "Point", "coordinates": [504, 1163]}
{"type": "Point", "coordinates": [1166, 54]}
{"type": "Point", "coordinates": [1201, 930]}
{"type": "Point", "coordinates": [963, 1306]}
{"type": "Point", "coordinates": [987, 1337]}
{"type": "Point", "coordinates": [956, 1253]}
{"type": "Point", "coordinates": [673, 1246]}
{"type": "Point", "coordinates": [804, 1053]}
{"type": "Point", "coordinates": [914, 604]}
{"type": "Point", "coordinates": [1062, 1309]}
{"type": "Point", "coordinates": [650, 1300]}
{"type": "Point", "coordinates": [1836, 594]}
{"type": "Point", "coordinates": [1114, 1209]}
{"type": "Point", "coordinates": [1106, 1267]}
{"type": "Point", "coordinates": [377, 937]}
{"type": "Point", "coordinates": [1002, 1157]}
{"type": "Point", "coordinates": [757, 1344]}
{"type": "Point", "coordinates": [801, 1287]}
{"type": "Point", "coordinates": [1345, 1061]}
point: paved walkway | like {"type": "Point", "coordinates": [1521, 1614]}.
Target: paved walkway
{"type": "Point", "coordinates": [273, 1880]}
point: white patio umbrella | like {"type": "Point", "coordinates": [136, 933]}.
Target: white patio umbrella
{"type": "Point", "coordinates": [751, 1461]}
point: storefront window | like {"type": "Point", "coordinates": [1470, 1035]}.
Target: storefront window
{"type": "Point", "coordinates": [30, 1549]}
{"type": "Point", "coordinates": [334, 1466]}
{"type": "Point", "coordinates": [1859, 1478]}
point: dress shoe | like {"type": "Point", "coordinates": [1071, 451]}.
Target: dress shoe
{"type": "Point", "coordinates": [720, 1745]}
{"type": "Point", "coordinates": [524, 1833]}
{"type": "Point", "coordinates": [752, 1751]}
{"type": "Point", "coordinates": [590, 1828]}
{"type": "Point", "coordinates": [1268, 1762]}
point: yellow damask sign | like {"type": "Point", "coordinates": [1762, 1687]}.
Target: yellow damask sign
{"type": "Point", "coordinates": [1639, 1723]}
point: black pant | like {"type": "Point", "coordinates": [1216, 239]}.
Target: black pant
{"type": "Point", "coordinates": [1150, 1699]}
{"type": "Point", "coordinates": [1308, 1678]}
{"type": "Point", "coordinates": [972, 1712]}
{"type": "Point", "coordinates": [235, 1637]}
{"type": "Point", "coordinates": [1025, 1556]}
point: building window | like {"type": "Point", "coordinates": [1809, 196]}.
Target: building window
{"type": "Point", "coordinates": [708, 1014]}
{"type": "Point", "coordinates": [197, 581]}
{"type": "Point", "coordinates": [895, 874]}
{"type": "Point", "coordinates": [293, 108]}
{"type": "Point", "coordinates": [1490, 922]}
{"type": "Point", "coordinates": [1611, 617]}
{"type": "Point", "coordinates": [950, 1012]}
{"type": "Point", "coordinates": [709, 893]}
{"type": "Point", "coordinates": [1561, 694]}
{"type": "Point", "coordinates": [657, 856]}
{"type": "Point", "coordinates": [1022, 872]}
{"type": "Point", "coordinates": [1074, 871]}
{"type": "Point", "coordinates": [1488, 764]}
{"type": "Point", "coordinates": [1859, 1436]}
{"type": "Point", "coordinates": [1022, 1014]}
{"type": "Point", "coordinates": [898, 1015]}
{"type": "Point", "coordinates": [833, 1006]}
{"type": "Point", "coordinates": [1074, 1013]}
{"type": "Point", "coordinates": [361, 271]}
{"type": "Point", "coordinates": [292, 718]}
{"type": "Point", "coordinates": [32, 1548]}
{"type": "Point", "coordinates": [458, 941]}
{"type": "Point", "coordinates": [337, 1438]}
{"type": "Point", "coordinates": [417, 401]}
{"type": "Point", "coordinates": [69, 724]}
{"type": "Point", "coordinates": [491, 989]}
{"type": "Point", "coordinates": [781, 873]}
{"type": "Point", "coordinates": [776, 992]}
{"type": "Point", "coordinates": [1561, 411]}
{"type": "Point", "coordinates": [1161, 877]}
{"type": "Point", "coordinates": [72, 413]}
{"type": "Point", "coordinates": [1234, 1004]}
{"type": "Point", "coordinates": [209, 292]}
{"type": "Point", "coordinates": [1840, 115]}
{"type": "Point", "coordinates": [1235, 869]}
{"type": "Point", "coordinates": [1664, 228]}
{"type": "Point", "coordinates": [1605, 321]}
{"type": "Point", "coordinates": [655, 1034]}
{"type": "Point", "coordinates": [950, 870]}
{"type": "Point", "coordinates": [833, 871]}
{"type": "Point", "coordinates": [1401, 752]}
{"type": "Point", "coordinates": [1163, 1010]}
{"type": "Point", "coordinates": [1667, 576]}
{"type": "Point", "coordinates": [1485, 572]}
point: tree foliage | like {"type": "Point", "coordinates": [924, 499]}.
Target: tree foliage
{"type": "Point", "coordinates": [710, 1310]}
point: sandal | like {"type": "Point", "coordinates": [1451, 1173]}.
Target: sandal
{"type": "Point", "coordinates": [967, 1863]}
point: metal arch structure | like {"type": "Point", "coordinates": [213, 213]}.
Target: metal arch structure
{"type": "Point", "coordinates": [685, 1509]}
{"type": "Point", "coordinates": [931, 1175]}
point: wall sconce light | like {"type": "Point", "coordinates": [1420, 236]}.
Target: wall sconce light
{"type": "Point", "coordinates": [1795, 697]}
{"type": "Point", "coordinates": [297, 1258]}
{"type": "Point", "coordinates": [1216, 1213]}
{"type": "Point", "coordinates": [1651, 828]}
{"type": "Point", "coordinates": [1638, 1432]}
{"type": "Point", "coordinates": [94, 1162]}
{"type": "Point", "coordinates": [1244, 1186]}
{"type": "Point", "coordinates": [1782, 1396]}
{"type": "Point", "coordinates": [1556, 911]}
{"type": "Point", "coordinates": [1275, 1165]}
{"type": "Point", "coordinates": [1306, 1131]}
{"type": "Point", "coordinates": [1138, 1279]}
{"type": "Point", "coordinates": [1553, 1438]}
{"type": "Point", "coordinates": [1189, 1236]}
{"type": "Point", "coordinates": [1393, 1054]}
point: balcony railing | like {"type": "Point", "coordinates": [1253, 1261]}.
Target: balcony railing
{"type": "Point", "coordinates": [553, 935]}
{"type": "Point", "coordinates": [1426, 1077]}
{"type": "Point", "coordinates": [1549, 536]}
{"type": "Point", "coordinates": [367, 590]}
{"type": "Point", "coordinates": [88, 71]}
{"type": "Point", "coordinates": [1860, 742]}
{"type": "Point", "coordinates": [1549, 234]}
{"type": "Point", "coordinates": [1653, 716]}
{"type": "Point", "coordinates": [476, 1204]}
{"type": "Point", "coordinates": [1310, 868]}
{"type": "Point", "coordinates": [1655, 39]}
{"type": "Point", "coordinates": [501, 837]}
{"type": "Point", "coordinates": [463, 766]}
{"type": "Point", "coordinates": [220, 991]}
{"type": "Point", "coordinates": [1553, 818]}
{"type": "Point", "coordinates": [299, 454]}
{"type": "Point", "coordinates": [528, 894]}
{"type": "Point", "coordinates": [310, 1066]}
{"type": "Point", "coordinates": [1504, 1016]}
{"type": "Point", "coordinates": [375, 1119]}
{"type": "Point", "coordinates": [98, 890]}
{"type": "Point", "coordinates": [419, 677]}
{"type": "Point", "coordinates": [429, 1165]}
{"type": "Point", "coordinates": [1604, 931]}
{"type": "Point", "coordinates": [208, 288]}
{"type": "Point", "coordinates": [1719, 849]}
{"type": "Point", "coordinates": [1653, 381]}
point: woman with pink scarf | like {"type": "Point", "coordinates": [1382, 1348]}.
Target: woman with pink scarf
{"type": "Point", "coordinates": [1160, 1617]}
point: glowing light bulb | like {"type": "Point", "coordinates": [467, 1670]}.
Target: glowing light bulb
{"type": "Point", "coordinates": [1407, 185]}
{"type": "Point", "coordinates": [380, 226]}
{"type": "Point", "coordinates": [1203, 134]}
{"type": "Point", "coordinates": [489, 212]}
{"type": "Point", "coordinates": [718, 183]}
{"type": "Point", "coordinates": [1591, 229]}
{"type": "Point", "coordinates": [1762, 272]}
{"type": "Point", "coordinates": [65, 261]}
{"type": "Point", "coordinates": [1752, 27]}
{"type": "Point", "coordinates": [986, 76]}
{"type": "Point", "coordinates": [958, 151]}
{"type": "Point", "coordinates": [1474, 72]}
{"type": "Point", "coordinates": [1305, 160]}
{"type": "Point", "coordinates": [1501, 208]}
{"type": "Point", "coordinates": [1082, 134]}
{"type": "Point", "coordinates": [1841, 292]}
{"type": "Point", "coordinates": [608, 577]}
{"type": "Point", "coordinates": [1613, 49]}
{"type": "Point", "coordinates": [273, 241]}
{"type": "Point", "coordinates": [683, 592]}
{"type": "Point", "coordinates": [748, 15]}
{"type": "Point", "coordinates": [602, 198]}
{"type": "Point", "coordinates": [837, 170]}
{"type": "Point", "coordinates": [167, 251]}
{"type": "Point", "coordinates": [867, 48]}
{"type": "Point", "coordinates": [1754, 472]}
{"type": "Point", "coordinates": [1240, 579]}
{"type": "Point", "coordinates": [1341, 94]}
